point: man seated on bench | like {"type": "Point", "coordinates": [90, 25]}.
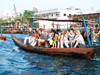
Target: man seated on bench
{"type": "Point", "coordinates": [40, 37]}
{"type": "Point", "coordinates": [78, 38]}
{"type": "Point", "coordinates": [27, 40]}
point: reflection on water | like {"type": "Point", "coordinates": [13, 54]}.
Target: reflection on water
{"type": "Point", "coordinates": [15, 61]}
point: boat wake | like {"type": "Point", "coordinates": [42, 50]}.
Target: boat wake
{"type": "Point", "coordinates": [16, 49]}
{"type": "Point", "coordinates": [1, 41]}
{"type": "Point", "coordinates": [97, 58]}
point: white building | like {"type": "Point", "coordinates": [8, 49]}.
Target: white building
{"type": "Point", "coordinates": [59, 14]}
{"type": "Point", "coordinates": [9, 13]}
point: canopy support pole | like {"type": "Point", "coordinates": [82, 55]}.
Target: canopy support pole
{"type": "Point", "coordinates": [86, 31]}
{"type": "Point", "coordinates": [1, 28]}
{"type": "Point", "coordinates": [99, 21]}
{"type": "Point", "coordinates": [32, 20]}
{"type": "Point", "coordinates": [91, 37]}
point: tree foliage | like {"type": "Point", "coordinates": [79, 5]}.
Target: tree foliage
{"type": "Point", "coordinates": [27, 13]}
{"type": "Point", "coordinates": [21, 19]}
{"type": "Point", "coordinates": [3, 20]}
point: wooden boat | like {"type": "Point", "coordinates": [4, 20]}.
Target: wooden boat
{"type": "Point", "coordinates": [6, 32]}
{"type": "Point", "coordinates": [25, 32]}
{"type": "Point", "coordinates": [13, 32]}
{"type": "Point", "coordinates": [78, 52]}
{"type": "Point", "coordinates": [3, 37]}
{"type": "Point", "coordinates": [99, 38]}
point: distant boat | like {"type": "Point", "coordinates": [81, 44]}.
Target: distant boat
{"type": "Point", "coordinates": [25, 32]}
{"type": "Point", "coordinates": [3, 37]}
{"type": "Point", "coordinates": [74, 52]}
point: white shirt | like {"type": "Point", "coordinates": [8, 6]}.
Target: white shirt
{"type": "Point", "coordinates": [63, 36]}
{"type": "Point", "coordinates": [79, 38]}
{"type": "Point", "coordinates": [71, 38]}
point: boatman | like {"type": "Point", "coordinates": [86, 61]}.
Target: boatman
{"type": "Point", "coordinates": [27, 40]}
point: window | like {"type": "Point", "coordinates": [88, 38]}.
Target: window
{"type": "Point", "coordinates": [52, 14]}
{"type": "Point", "coordinates": [64, 14]}
{"type": "Point", "coordinates": [57, 14]}
{"type": "Point", "coordinates": [43, 15]}
{"type": "Point", "coordinates": [47, 15]}
{"type": "Point", "coordinates": [69, 14]}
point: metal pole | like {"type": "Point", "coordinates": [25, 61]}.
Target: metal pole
{"type": "Point", "coordinates": [99, 21]}
{"type": "Point", "coordinates": [91, 36]}
{"type": "Point", "coordinates": [86, 31]}
{"type": "Point", "coordinates": [31, 20]}
{"type": "Point", "coordinates": [1, 28]}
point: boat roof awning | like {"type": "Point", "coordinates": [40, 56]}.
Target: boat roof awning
{"type": "Point", "coordinates": [38, 18]}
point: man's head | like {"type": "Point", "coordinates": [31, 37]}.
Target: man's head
{"type": "Point", "coordinates": [40, 31]}
{"type": "Point", "coordinates": [71, 31]}
{"type": "Point", "coordinates": [52, 32]}
{"type": "Point", "coordinates": [78, 32]}
{"type": "Point", "coordinates": [35, 31]}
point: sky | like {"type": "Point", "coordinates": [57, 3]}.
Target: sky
{"type": "Point", "coordinates": [42, 5]}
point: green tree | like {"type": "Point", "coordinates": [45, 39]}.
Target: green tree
{"type": "Point", "coordinates": [21, 19]}
{"type": "Point", "coordinates": [27, 13]}
{"type": "Point", "coordinates": [3, 20]}
{"type": "Point", "coordinates": [9, 19]}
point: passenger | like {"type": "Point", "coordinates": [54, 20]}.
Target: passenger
{"type": "Point", "coordinates": [42, 31]}
{"type": "Point", "coordinates": [34, 39]}
{"type": "Point", "coordinates": [49, 34]}
{"type": "Point", "coordinates": [45, 35]}
{"type": "Point", "coordinates": [78, 38]}
{"type": "Point", "coordinates": [46, 38]}
{"type": "Point", "coordinates": [94, 35]}
{"type": "Point", "coordinates": [40, 37]}
{"type": "Point", "coordinates": [64, 39]}
{"type": "Point", "coordinates": [56, 41]}
{"type": "Point", "coordinates": [27, 40]}
{"type": "Point", "coordinates": [85, 38]}
{"type": "Point", "coordinates": [71, 35]}
{"type": "Point", "coordinates": [51, 40]}
{"type": "Point", "coordinates": [34, 33]}
{"type": "Point", "coordinates": [59, 38]}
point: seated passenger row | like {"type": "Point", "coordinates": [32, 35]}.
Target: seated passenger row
{"type": "Point", "coordinates": [55, 39]}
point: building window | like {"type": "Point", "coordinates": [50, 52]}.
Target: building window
{"type": "Point", "coordinates": [69, 14]}
{"type": "Point", "coordinates": [64, 14]}
{"type": "Point", "coordinates": [52, 14]}
{"type": "Point", "coordinates": [57, 14]}
{"type": "Point", "coordinates": [43, 15]}
{"type": "Point", "coordinates": [47, 15]}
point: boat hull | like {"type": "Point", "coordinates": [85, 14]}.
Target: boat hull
{"type": "Point", "coordinates": [3, 37]}
{"type": "Point", "coordinates": [78, 52]}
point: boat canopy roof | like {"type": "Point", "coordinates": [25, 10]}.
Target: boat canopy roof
{"type": "Point", "coordinates": [39, 18]}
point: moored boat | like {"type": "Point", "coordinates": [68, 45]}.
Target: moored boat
{"type": "Point", "coordinates": [3, 37]}
{"type": "Point", "coordinates": [75, 52]}
{"type": "Point", "coordinates": [25, 32]}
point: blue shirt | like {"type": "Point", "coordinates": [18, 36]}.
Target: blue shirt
{"type": "Point", "coordinates": [49, 35]}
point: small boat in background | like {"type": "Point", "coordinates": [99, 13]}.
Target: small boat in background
{"type": "Point", "coordinates": [3, 37]}
{"type": "Point", "coordinates": [25, 32]}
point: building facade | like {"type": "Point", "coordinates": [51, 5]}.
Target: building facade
{"type": "Point", "coordinates": [59, 14]}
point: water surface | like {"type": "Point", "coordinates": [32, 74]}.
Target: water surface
{"type": "Point", "coordinates": [15, 61]}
